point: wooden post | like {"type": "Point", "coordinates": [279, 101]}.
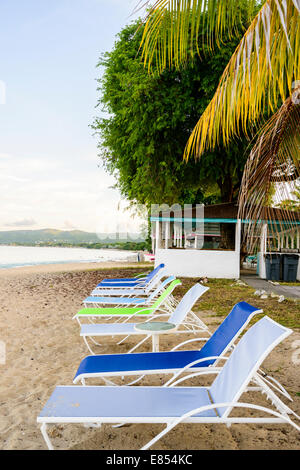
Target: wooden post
{"type": "Point", "coordinates": [263, 248]}
{"type": "Point", "coordinates": [237, 247]}
{"type": "Point", "coordinates": [238, 228]}
{"type": "Point", "coordinates": [167, 231]}
{"type": "Point", "coordinates": [157, 235]}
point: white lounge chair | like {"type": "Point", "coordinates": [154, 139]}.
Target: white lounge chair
{"type": "Point", "coordinates": [175, 362]}
{"type": "Point", "coordinates": [174, 405]}
{"type": "Point", "coordinates": [128, 283]}
{"type": "Point", "coordinates": [147, 307]}
{"type": "Point", "coordinates": [99, 301]}
{"type": "Point", "coordinates": [177, 323]}
{"type": "Point", "coordinates": [139, 289]}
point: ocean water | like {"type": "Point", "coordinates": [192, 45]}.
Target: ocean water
{"type": "Point", "coordinates": [17, 256]}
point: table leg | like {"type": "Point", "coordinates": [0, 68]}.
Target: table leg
{"type": "Point", "coordinates": [155, 343]}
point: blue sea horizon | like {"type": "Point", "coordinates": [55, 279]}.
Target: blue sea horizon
{"type": "Point", "coordinates": [21, 256]}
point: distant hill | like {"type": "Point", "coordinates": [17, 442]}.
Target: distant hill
{"type": "Point", "coordinates": [60, 236]}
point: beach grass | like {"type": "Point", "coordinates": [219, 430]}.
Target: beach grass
{"type": "Point", "coordinates": [224, 293]}
{"type": "Point", "coordinates": [297, 283]}
{"type": "Point", "coordinates": [44, 349]}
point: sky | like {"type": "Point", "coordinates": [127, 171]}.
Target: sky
{"type": "Point", "coordinates": [49, 168]}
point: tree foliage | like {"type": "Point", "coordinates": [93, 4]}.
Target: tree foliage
{"type": "Point", "coordinates": [260, 74]}
{"type": "Point", "coordinates": [149, 119]}
{"type": "Point", "coordinates": [273, 163]}
{"type": "Point", "coordinates": [292, 204]}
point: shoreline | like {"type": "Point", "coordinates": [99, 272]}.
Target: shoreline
{"type": "Point", "coordinates": [68, 246]}
{"type": "Point", "coordinates": [53, 268]}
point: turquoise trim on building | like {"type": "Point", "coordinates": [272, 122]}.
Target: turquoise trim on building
{"type": "Point", "coordinates": [190, 219]}
{"type": "Point", "coordinates": [223, 221]}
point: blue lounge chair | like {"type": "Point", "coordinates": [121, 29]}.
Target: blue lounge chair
{"type": "Point", "coordinates": [130, 282]}
{"type": "Point", "coordinates": [172, 362]}
{"type": "Point", "coordinates": [139, 290]}
{"type": "Point", "coordinates": [174, 405]}
{"type": "Point", "coordinates": [128, 301]}
{"type": "Point", "coordinates": [164, 304]}
{"type": "Point", "coordinates": [177, 323]}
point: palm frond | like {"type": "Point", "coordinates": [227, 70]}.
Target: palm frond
{"type": "Point", "coordinates": [274, 162]}
{"type": "Point", "coordinates": [174, 28]}
{"type": "Point", "coordinates": [259, 76]}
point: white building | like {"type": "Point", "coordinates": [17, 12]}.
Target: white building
{"type": "Point", "coordinates": [193, 247]}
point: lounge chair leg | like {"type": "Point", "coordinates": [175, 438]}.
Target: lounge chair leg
{"type": "Point", "coordinates": [155, 343]}
{"type": "Point", "coordinates": [108, 382]}
{"type": "Point", "coordinates": [122, 340]}
{"type": "Point", "coordinates": [46, 437]}
{"type": "Point", "coordinates": [95, 342]}
{"type": "Point", "coordinates": [92, 425]}
{"type": "Point", "coordinates": [157, 437]}
{"type": "Point", "coordinates": [88, 346]}
{"type": "Point", "coordinates": [139, 344]}
{"type": "Point", "coordinates": [135, 381]}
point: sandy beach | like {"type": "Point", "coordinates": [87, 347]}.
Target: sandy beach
{"type": "Point", "coordinates": [44, 349]}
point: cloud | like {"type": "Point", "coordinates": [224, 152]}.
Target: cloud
{"type": "Point", "coordinates": [14, 178]}
{"type": "Point", "coordinates": [21, 223]}
{"type": "Point", "coordinates": [2, 92]}
{"type": "Point", "coordinates": [59, 195]}
{"type": "Point", "coordinates": [69, 225]}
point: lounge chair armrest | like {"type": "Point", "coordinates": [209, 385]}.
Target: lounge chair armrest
{"type": "Point", "coordinates": [95, 314]}
{"type": "Point", "coordinates": [187, 342]}
{"type": "Point", "coordinates": [207, 371]}
{"type": "Point", "coordinates": [136, 286]}
{"type": "Point", "coordinates": [189, 366]}
{"type": "Point", "coordinates": [155, 316]}
{"type": "Point", "coordinates": [273, 383]}
{"type": "Point", "coordinates": [127, 319]}
{"type": "Point", "coordinates": [224, 420]}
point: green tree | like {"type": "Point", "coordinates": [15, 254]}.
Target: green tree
{"type": "Point", "coordinates": [292, 204]}
{"type": "Point", "coordinates": [262, 71]}
{"type": "Point", "coordinates": [262, 76]}
{"type": "Point", "coordinates": [150, 118]}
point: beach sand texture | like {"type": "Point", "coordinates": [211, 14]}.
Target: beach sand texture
{"type": "Point", "coordinates": [43, 349]}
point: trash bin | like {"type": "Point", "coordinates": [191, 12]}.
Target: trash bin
{"type": "Point", "coordinates": [290, 267]}
{"type": "Point", "coordinates": [273, 266]}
